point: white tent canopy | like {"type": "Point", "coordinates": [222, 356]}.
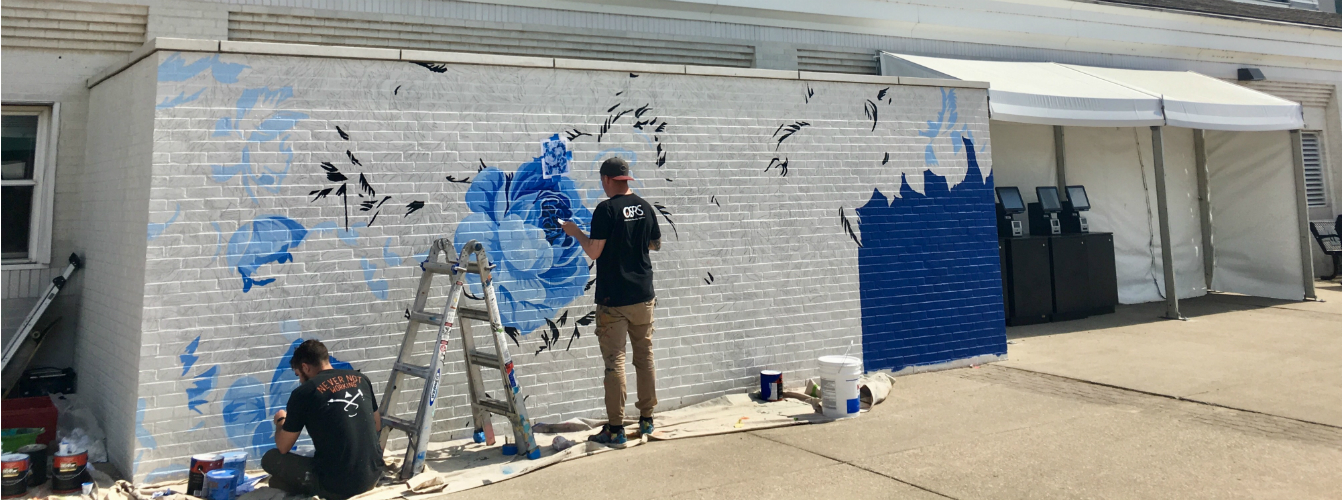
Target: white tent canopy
{"type": "Point", "coordinates": [1241, 173]}
{"type": "Point", "coordinates": [1063, 94]}
{"type": "Point", "coordinates": [1193, 100]}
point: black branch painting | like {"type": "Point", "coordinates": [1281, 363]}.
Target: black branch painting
{"type": "Point", "coordinates": [781, 164]}
{"type": "Point", "coordinates": [786, 130]}
{"type": "Point", "coordinates": [848, 227]}
{"type": "Point", "coordinates": [368, 200]}
{"type": "Point", "coordinates": [872, 113]}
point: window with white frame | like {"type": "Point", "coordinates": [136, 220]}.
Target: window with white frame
{"type": "Point", "coordinates": [26, 161]}
{"type": "Point", "coordinates": [1311, 148]}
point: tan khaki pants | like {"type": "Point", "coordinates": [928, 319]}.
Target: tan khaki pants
{"type": "Point", "coordinates": [612, 325]}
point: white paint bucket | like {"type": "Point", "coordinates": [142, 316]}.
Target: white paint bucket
{"type": "Point", "coordinates": [838, 386]}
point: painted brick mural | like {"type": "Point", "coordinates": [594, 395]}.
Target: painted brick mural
{"type": "Point", "coordinates": [293, 198]}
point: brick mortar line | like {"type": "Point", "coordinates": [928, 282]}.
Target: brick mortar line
{"type": "Point", "coordinates": [1170, 397]}
{"type": "Point", "coordinates": [845, 462]}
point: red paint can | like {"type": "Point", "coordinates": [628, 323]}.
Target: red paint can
{"type": "Point", "coordinates": [15, 475]}
{"type": "Point", "coordinates": [201, 465]}
{"type": "Point", "coordinates": [69, 472]}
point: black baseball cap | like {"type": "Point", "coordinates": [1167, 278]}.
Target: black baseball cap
{"type": "Point", "coordinates": [616, 168]}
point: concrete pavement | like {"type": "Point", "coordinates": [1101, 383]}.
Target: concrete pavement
{"type": "Point", "coordinates": [1242, 401]}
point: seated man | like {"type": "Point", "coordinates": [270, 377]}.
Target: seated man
{"type": "Point", "coordinates": [340, 413]}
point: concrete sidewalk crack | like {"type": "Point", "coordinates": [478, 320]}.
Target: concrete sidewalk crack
{"type": "Point", "coordinates": [845, 462]}
{"type": "Point", "coordinates": [1171, 397]}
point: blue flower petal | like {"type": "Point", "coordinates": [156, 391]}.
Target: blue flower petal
{"type": "Point", "coordinates": [487, 193]}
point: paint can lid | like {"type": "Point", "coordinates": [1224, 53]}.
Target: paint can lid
{"type": "Point", "coordinates": [13, 457]}
{"type": "Point", "coordinates": [221, 474]}
{"type": "Point", "coordinates": [770, 372]}
{"type": "Point", "coordinates": [233, 455]}
{"type": "Point", "coordinates": [207, 457]}
{"type": "Point", "coordinates": [32, 448]}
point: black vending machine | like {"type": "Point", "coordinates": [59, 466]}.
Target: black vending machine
{"type": "Point", "coordinates": [1027, 291]}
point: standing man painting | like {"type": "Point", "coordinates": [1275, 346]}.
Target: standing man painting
{"type": "Point", "coordinates": [340, 413]}
{"type": "Point", "coordinates": [624, 229]}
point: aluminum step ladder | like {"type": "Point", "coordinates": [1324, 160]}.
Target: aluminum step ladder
{"type": "Point", "coordinates": [513, 404]}
{"type": "Point", "coordinates": [23, 345]}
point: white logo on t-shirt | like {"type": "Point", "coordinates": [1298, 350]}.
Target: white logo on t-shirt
{"type": "Point", "coordinates": [633, 211]}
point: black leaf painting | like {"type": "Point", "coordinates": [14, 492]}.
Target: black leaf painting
{"type": "Point", "coordinates": [633, 75]}
{"type": "Point", "coordinates": [886, 160]}
{"type": "Point", "coordinates": [666, 214]}
{"type": "Point", "coordinates": [563, 318]}
{"type": "Point", "coordinates": [436, 68]}
{"type": "Point", "coordinates": [714, 200]}
{"type": "Point", "coordinates": [613, 108]}
{"type": "Point", "coordinates": [786, 130]}
{"type": "Point", "coordinates": [589, 284]}
{"type": "Point", "coordinates": [709, 279]}
{"type": "Point", "coordinates": [396, 91]}
{"type": "Point", "coordinates": [848, 227]}
{"type": "Point", "coordinates": [870, 109]}
{"type": "Point", "coordinates": [881, 95]}
{"type": "Point", "coordinates": [575, 133]}
{"type": "Point", "coordinates": [464, 180]}
{"type": "Point", "coordinates": [370, 202]}
{"type": "Point", "coordinates": [809, 93]}
{"type": "Point", "coordinates": [548, 339]}
{"type": "Point", "coordinates": [781, 164]}
{"type": "Point", "coordinates": [482, 166]}
{"type": "Point", "coordinates": [512, 334]}
{"type": "Point", "coordinates": [413, 207]}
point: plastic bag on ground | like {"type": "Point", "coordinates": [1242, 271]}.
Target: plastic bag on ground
{"type": "Point", "coordinates": [77, 426]}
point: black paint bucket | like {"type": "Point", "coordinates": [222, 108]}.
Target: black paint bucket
{"type": "Point", "coordinates": [69, 472]}
{"type": "Point", "coordinates": [37, 463]}
{"type": "Point", "coordinates": [15, 475]}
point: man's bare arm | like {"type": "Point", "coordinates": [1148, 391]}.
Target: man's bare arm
{"type": "Point", "coordinates": [591, 246]}
{"type": "Point", "coordinates": [655, 245]}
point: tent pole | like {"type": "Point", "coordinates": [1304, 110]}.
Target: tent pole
{"type": "Point", "coordinates": [1302, 216]}
{"type": "Point", "coordinates": [1163, 213]}
{"type": "Point", "coordinates": [1060, 158]}
{"type": "Point", "coordinates": [1204, 206]}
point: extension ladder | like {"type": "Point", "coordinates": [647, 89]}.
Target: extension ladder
{"type": "Point", "coordinates": [512, 406]}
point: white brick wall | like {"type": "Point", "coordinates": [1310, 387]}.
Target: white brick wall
{"type": "Point", "coordinates": [784, 285]}
{"type": "Point", "coordinates": [115, 195]}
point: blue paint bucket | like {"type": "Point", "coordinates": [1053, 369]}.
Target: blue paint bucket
{"type": "Point", "coordinates": [235, 461]}
{"type": "Point", "coordinates": [219, 484]}
{"type": "Point", "coordinates": [771, 385]}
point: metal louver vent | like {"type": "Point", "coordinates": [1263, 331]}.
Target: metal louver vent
{"type": "Point", "coordinates": [1312, 150]}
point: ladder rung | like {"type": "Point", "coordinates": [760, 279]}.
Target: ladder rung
{"type": "Point", "coordinates": [486, 360]}
{"type": "Point", "coordinates": [495, 406]}
{"type": "Point", "coordinates": [409, 369]}
{"type": "Point", "coordinates": [476, 314]}
{"type": "Point", "coordinates": [449, 267]}
{"type": "Point", "coordinates": [426, 318]}
{"type": "Point", "coordinates": [400, 424]}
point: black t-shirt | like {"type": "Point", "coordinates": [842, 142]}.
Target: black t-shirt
{"type": "Point", "coordinates": [337, 408]}
{"type": "Point", "coordinates": [624, 271]}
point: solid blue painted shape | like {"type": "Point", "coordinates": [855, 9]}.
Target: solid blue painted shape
{"type": "Point", "coordinates": [260, 242]}
{"type": "Point", "coordinates": [929, 273]}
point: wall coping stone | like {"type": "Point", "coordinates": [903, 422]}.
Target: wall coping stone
{"type": "Point", "coordinates": [409, 55]}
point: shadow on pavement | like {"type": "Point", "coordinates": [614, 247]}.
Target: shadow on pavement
{"type": "Point", "coordinates": [1153, 312]}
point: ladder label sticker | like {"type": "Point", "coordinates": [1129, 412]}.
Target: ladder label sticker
{"type": "Point", "coordinates": [442, 346]}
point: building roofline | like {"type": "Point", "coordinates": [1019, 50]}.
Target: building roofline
{"type": "Point", "coordinates": [426, 56]}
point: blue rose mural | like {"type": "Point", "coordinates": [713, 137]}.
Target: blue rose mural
{"type": "Point", "coordinates": [249, 405]}
{"type": "Point", "coordinates": [516, 216]}
{"type": "Point", "coordinates": [265, 129]}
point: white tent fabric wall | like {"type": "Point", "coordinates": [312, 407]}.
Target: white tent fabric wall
{"type": "Point", "coordinates": [1116, 167]}
{"type": "Point", "coordinates": [1253, 214]}
{"type": "Point", "coordinates": [1022, 157]}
